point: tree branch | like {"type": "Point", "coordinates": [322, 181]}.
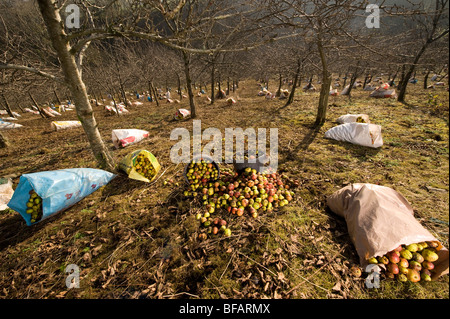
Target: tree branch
{"type": "Point", "coordinates": [32, 70]}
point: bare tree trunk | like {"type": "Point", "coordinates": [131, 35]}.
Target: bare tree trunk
{"type": "Point", "coordinates": [212, 82]}
{"type": "Point", "coordinates": [122, 91]}
{"type": "Point", "coordinates": [115, 105]}
{"type": "Point", "coordinates": [425, 80]}
{"type": "Point", "coordinates": [366, 78]}
{"type": "Point", "coordinates": [278, 93]}
{"type": "Point", "coordinates": [352, 82]}
{"type": "Point", "coordinates": [187, 72]}
{"type": "Point", "coordinates": [294, 85]}
{"type": "Point", "coordinates": [37, 105]}
{"type": "Point", "coordinates": [391, 82]}
{"type": "Point", "coordinates": [57, 97]}
{"type": "Point", "coordinates": [18, 103]}
{"type": "Point", "coordinates": [179, 87]}
{"type": "Point", "coordinates": [8, 109]}
{"type": "Point", "coordinates": [96, 99]}
{"type": "Point", "coordinates": [325, 89]}
{"type": "Point", "coordinates": [55, 28]}
{"type": "Point", "coordinates": [3, 141]}
{"type": "Point", "coordinates": [154, 92]}
{"type": "Point", "coordinates": [405, 80]}
{"type": "Point", "coordinates": [345, 79]}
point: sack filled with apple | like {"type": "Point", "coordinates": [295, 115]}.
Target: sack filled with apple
{"type": "Point", "coordinates": [43, 194]}
{"type": "Point", "coordinates": [413, 262]}
{"type": "Point", "coordinates": [383, 229]}
{"type": "Point", "coordinates": [140, 165]}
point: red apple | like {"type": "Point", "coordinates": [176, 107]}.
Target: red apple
{"type": "Point", "coordinates": [415, 265]}
{"type": "Point", "coordinates": [428, 265]}
{"type": "Point", "coordinates": [393, 257]}
{"type": "Point", "coordinates": [393, 268]}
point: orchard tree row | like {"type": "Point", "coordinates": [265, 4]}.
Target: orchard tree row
{"type": "Point", "coordinates": [120, 46]}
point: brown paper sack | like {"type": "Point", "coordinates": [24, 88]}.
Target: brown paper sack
{"type": "Point", "coordinates": [379, 219]}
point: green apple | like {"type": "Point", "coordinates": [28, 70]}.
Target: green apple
{"type": "Point", "coordinates": [405, 253]}
{"type": "Point", "coordinates": [402, 270]}
{"type": "Point", "coordinates": [412, 247]}
{"type": "Point", "coordinates": [429, 255]}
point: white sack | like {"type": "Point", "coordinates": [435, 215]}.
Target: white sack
{"type": "Point", "coordinates": [6, 192]}
{"type": "Point", "coordinates": [62, 125]}
{"type": "Point", "coordinates": [125, 137]}
{"type": "Point", "coordinates": [350, 118]}
{"type": "Point", "coordinates": [357, 133]}
{"type": "Point", "coordinates": [8, 125]}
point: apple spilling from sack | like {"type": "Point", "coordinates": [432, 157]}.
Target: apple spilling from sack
{"type": "Point", "coordinates": [34, 207]}
{"type": "Point", "coordinates": [144, 166]}
{"type": "Point", "coordinates": [414, 262]}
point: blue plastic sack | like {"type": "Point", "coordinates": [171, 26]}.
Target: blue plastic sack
{"type": "Point", "coordinates": [59, 189]}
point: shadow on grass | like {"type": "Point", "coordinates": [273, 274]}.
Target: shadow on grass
{"type": "Point", "coordinates": [119, 185]}
{"type": "Point", "coordinates": [339, 234]}
{"type": "Point", "coordinates": [14, 230]}
{"type": "Point", "coordinates": [309, 137]}
{"type": "Point", "coordinates": [358, 151]}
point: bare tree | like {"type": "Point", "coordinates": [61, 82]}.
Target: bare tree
{"type": "Point", "coordinates": [430, 30]}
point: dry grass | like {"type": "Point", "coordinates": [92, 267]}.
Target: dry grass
{"type": "Point", "coordinates": [135, 240]}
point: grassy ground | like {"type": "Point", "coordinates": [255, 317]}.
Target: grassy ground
{"type": "Point", "coordinates": [138, 240]}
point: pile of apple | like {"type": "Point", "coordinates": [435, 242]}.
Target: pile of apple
{"type": "Point", "coordinates": [414, 262]}
{"type": "Point", "coordinates": [144, 166]}
{"type": "Point", "coordinates": [199, 173]}
{"type": "Point", "coordinates": [34, 206]}
{"type": "Point", "coordinates": [250, 193]}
